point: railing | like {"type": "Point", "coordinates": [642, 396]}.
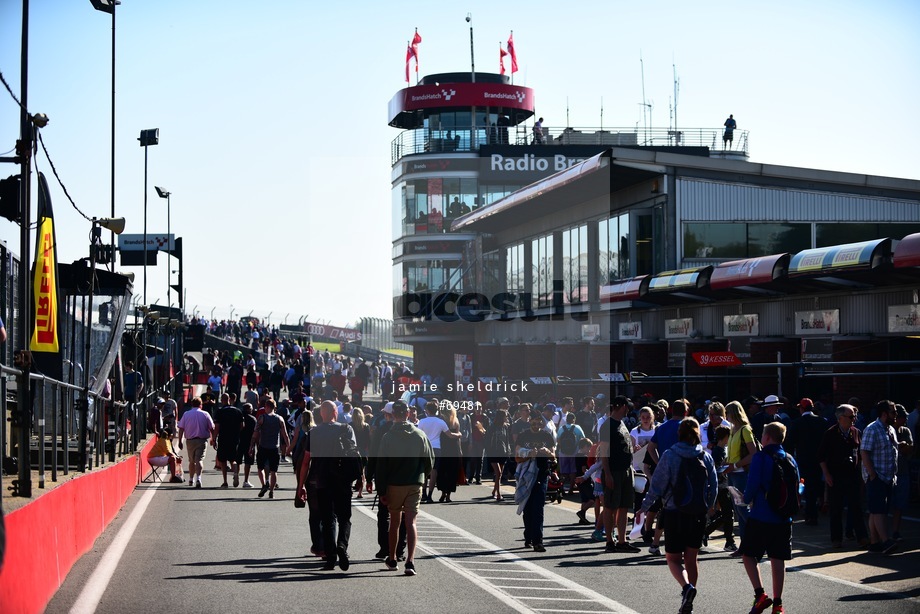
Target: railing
{"type": "Point", "coordinates": [424, 140]}
{"type": "Point", "coordinates": [54, 427]}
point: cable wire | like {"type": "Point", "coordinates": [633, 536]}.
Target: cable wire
{"type": "Point", "coordinates": [10, 90]}
{"type": "Point", "coordinates": [56, 176]}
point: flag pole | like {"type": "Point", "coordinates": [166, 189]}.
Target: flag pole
{"type": "Point", "coordinates": [415, 49]}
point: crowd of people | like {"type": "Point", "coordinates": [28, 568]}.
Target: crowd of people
{"type": "Point", "coordinates": [656, 474]}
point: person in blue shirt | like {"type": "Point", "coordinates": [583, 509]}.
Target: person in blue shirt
{"type": "Point", "coordinates": [767, 532]}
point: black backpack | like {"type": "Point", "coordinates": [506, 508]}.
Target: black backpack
{"type": "Point", "coordinates": [689, 490]}
{"type": "Point", "coordinates": [347, 466]}
{"type": "Point", "coordinates": [783, 492]}
{"type": "Point", "coordinates": [568, 442]}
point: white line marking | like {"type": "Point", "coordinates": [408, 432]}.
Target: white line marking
{"type": "Point", "coordinates": [554, 598]}
{"type": "Point", "coordinates": [537, 588]}
{"type": "Point", "coordinates": [92, 592]}
{"type": "Point", "coordinates": [513, 579]}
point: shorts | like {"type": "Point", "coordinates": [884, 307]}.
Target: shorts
{"type": "Point", "coordinates": [243, 456]}
{"type": "Point", "coordinates": [268, 458]}
{"type": "Point", "coordinates": [226, 450]}
{"type": "Point", "coordinates": [196, 449]}
{"type": "Point", "coordinates": [404, 498]}
{"type": "Point", "coordinates": [567, 465]}
{"type": "Point", "coordinates": [623, 493]}
{"type": "Point", "coordinates": [158, 461]}
{"type": "Point", "coordinates": [682, 531]}
{"type": "Point", "coordinates": [586, 491]}
{"type": "Point", "coordinates": [900, 495]}
{"type": "Point", "coordinates": [498, 460]}
{"type": "Point", "coordinates": [437, 459]}
{"type": "Point", "coordinates": [774, 539]}
{"type": "Point", "coordinates": [878, 496]}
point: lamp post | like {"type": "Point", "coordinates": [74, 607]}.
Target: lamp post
{"type": "Point", "coordinates": [148, 137]}
{"type": "Point", "coordinates": [231, 312]}
{"type": "Point", "coordinates": [469, 20]}
{"type": "Point", "coordinates": [108, 6]}
{"type": "Point", "coordinates": [169, 247]}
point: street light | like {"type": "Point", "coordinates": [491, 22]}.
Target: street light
{"type": "Point", "coordinates": [108, 6]}
{"type": "Point", "coordinates": [231, 312]}
{"type": "Point", "coordinates": [169, 247]}
{"type": "Point", "coordinates": [148, 137]}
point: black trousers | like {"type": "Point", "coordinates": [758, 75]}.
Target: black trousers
{"type": "Point", "coordinates": [316, 523]}
{"type": "Point", "coordinates": [335, 516]}
{"type": "Point", "coordinates": [383, 531]}
{"type": "Point", "coordinates": [814, 489]}
{"type": "Point", "coordinates": [846, 492]}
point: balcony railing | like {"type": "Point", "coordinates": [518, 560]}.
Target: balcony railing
{"type": "Point", "coordinates": [424, 140]}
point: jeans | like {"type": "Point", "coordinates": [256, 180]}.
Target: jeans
{"type": "Point", "coordinates": [739, 481]}
{"type": "Point", "coordinates": [533, 513]}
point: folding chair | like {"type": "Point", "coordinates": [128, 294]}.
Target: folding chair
{"type": "Point", "coordinates": [154, 474]}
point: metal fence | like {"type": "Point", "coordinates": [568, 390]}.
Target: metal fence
{"type": "Point", "coordinates": [425, 140]}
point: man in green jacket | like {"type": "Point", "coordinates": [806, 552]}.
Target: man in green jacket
{"type": "Point", "coordinates": [405, 458]}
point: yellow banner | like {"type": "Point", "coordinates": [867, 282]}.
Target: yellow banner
{"type": "Point", "coordinates": [45, 335]}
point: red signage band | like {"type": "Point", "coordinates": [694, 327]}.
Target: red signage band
{"type": "Point", "coordinates": [717, 359]}
{"type": "Point", "coordinates": [461, 95]}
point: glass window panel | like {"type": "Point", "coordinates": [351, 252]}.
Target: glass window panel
{"type": "Point", "coordinates": [769, 239]}
{"type": "Point", "coordinates": [704, 240]}
{"type": "Point", "coordinates": [623, 249]}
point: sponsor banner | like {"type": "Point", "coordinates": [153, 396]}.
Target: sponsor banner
{"type": "Point", "coordinates": [743, 325]}
{"type": "Point", "coordinates": [455, 95]}
{"type": "Point", "coordinates": [332, 332]}
{"type": "Point", "coordinates": [716, 359]}
{"type": "Point", "coordinates": [678, 328]}
{"type": "Point", "coordinates": [441, 165]}
{"type": "Point", "coordinates": [904, 319]}
{"type": "Point", "coordinates": [677, 354]}
{"type": "Point", "coordinates": [630, 330]}
{"type": "Point", "coordinates": [155, 242]}
{"type": "Point", "coordinates": [590, 332]}
{"type": "Point", "coordinates": [817, 322]}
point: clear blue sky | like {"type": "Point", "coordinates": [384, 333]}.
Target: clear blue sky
{"type": "Point", "coordinates": [272, 115]}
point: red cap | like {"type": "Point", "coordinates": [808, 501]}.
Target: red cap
{"type": "Point", "coordinates": [806, 404]}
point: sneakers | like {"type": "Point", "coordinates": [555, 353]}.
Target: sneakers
{"type": "Point", "coordinates": [344, 563]}
{"type": "Point", "coordinates": [778, 609]}
{"type": "Point", "coordinates": [610, 547]}
{"type": "Point", "coordinates": [224, 485]}
{"type": "Point", "coordinates": [236, 481]}
{"type": "Point", "coordinates": [409, 568]}
{"type": "Point", "coordinates": [581, 517]}
{"type": "Point", "coordinates": [889, 546]}
{"type": "Point", "coordinates": [536, 548]}
{"type": "Point", "coordinates": [597, 535]}
{"type": "Point", "coordinates": [686, 599]}
{"type": "Point", "coordinates": [761, 603]}
{"type": "Point", "coordinates": [271, 494]}
{"type": "Point", "coordinates": [391, 564]}
{"type": "Point", "coordinates": [730, 547]}
{"type": "Point", "coordinates": [381, 555]}
{"type": "Point", "coordinates": [191, 482]}
{"type": "Point", "coordinates": [263, 491]}
{"type": "Point", "coordinates": [736, 554]}
{"type": "Point", "coordinates": [198, 484]}
{"type": "Point", "coordinates": [627, 547]}
{"type": "Point", "coordinates": [247, 485]}
{"type": "Point", "coordinates": [176, 479]}
{"type": "Point", "coordinates": [653, 549]}
{"type": "Point", "coordinates": [527, 543]}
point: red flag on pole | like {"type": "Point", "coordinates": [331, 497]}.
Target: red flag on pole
{"type": "Point", "coordinates": [409, 54]}
{"type": "Point", "coordinates": [512, 53]}
{"type": "Point", "coordinates": [501, 57]}
{"type": "Point", "coordinates": [415, 41]}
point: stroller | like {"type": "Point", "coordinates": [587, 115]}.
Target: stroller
{"type": "Point", "coordinates": [554, 485]}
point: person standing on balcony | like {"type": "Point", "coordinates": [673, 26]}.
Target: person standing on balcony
{"type": "Point", "coordinates": [538, 138]}
{"type": "Point", "coordinates": [730, 126]}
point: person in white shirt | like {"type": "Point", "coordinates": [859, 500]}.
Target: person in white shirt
{"type": "Point", "coordinates": [434, 428]}
{"type": "Point", "coordinates": [716, 419]}
{"type": "Point", "coordinates": [642, 434]}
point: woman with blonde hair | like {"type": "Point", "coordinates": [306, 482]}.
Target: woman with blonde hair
{"type": "Point", "coordinates": [449, 469]}
{"type": "Point", "coordinates": [741, 448]}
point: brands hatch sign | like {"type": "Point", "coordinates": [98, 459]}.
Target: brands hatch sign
{"type": "Point", "coordinates": [155, 242]}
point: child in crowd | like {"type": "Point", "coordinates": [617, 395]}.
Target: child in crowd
{"type": "Point", "coordinates": [723, 516]}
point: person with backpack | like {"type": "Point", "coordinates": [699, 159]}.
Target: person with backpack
{"type": "Point", "coordinates": [773, 494]}
{"type": "Point", "coordinates": [567, 445]}
{"type": "Point", "coordinates": [686, 481]}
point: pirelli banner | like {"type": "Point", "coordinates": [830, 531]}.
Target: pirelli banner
{"type": "Point", "coordinates": [45, 344]}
